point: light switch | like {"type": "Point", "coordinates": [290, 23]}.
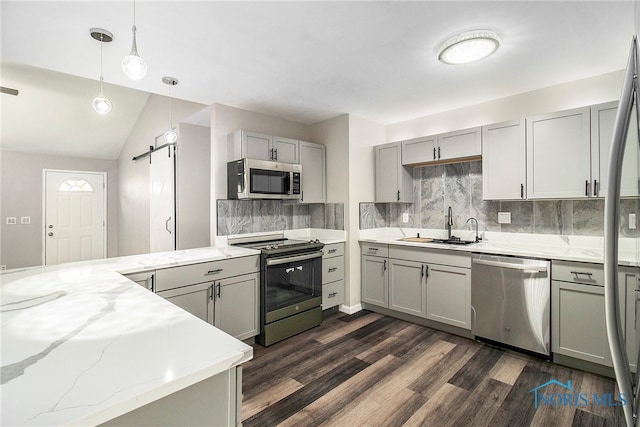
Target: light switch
{"type": "Point", "coordinates": [632, 221]}
{"type": "Point", "coordinates": [504, 217]}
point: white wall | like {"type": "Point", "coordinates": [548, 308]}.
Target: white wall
{"type": "Point", "coordinates": [594, 90]}
{"type": "Point", "coordinates": [133, 213]}
{"type": "Point", "coordinates": [226, 120]}
{"type": "Point", "coordinates": [21, 195]}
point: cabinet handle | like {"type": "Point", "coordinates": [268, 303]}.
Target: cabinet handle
{"type": "Point", "coordinates": [373, 249]}
{"type": "Point", "coordinates": [522, 191]}
{"type": "Point", "coordinates": [275, 154]}
{"type": "Point", "coordinates": [586, 188]}
{"type": "Point", "coordinates": [219, 288]}
{"type": "Point", "coordinates": [216, 271]}
{"type": "Point", "coordinates": [271, 154]}
{"type": "Point", "coordinates": [166, 225]}
{"type": "Point", "coordinates": [581, 273]}
{"type": "Point", "coordinates": [211, 292]}
{"type": "Point", "coordinates": [332, 294]}
{"type": "Point", "coordinates": [595, 187]}
{"type": "Point", "coordinates": [398, 195]}
{"type": "Point", "coordinates": [384, 266]}
{"type": "Point", "coordinates": [426, 270]}
{"type": "Point", "coordinates": [331, 251]}
{"type": "Point", "coordinates": [422, 270]}
{"type": "Point", "coordinates": [434, 153]}
{"type": "Point", "coordinates": [438, 153]}
{"type": "Point", "coordinates": [153, 283]}
{"type": "Point", "coordinates": [332, 269]}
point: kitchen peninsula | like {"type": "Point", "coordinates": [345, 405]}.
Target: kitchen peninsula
{"type": "Point", "coordinates": [83, 345]}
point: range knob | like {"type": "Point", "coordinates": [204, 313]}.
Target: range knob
{"type": "Point", "coordinates": [268, 247]}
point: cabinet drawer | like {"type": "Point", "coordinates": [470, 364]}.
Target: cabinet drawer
{"type": "Point", "coordinates": [334, 249]}
{"type": "Point", "coordinates": [332, 294]}
{"type": "Point", "coordinates": [431, 256]}
{"type": "Point", "coordinates": [375, 249]}
{"type": "Point", "coordinates": [332, 269]}
{"type": "Point", "coordinates": [175, 277]}
{"type": "Point", "coordinates": [578, 272]}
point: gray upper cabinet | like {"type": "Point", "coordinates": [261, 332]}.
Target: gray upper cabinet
{"type": "Point", "coordinates": [504, 161]}
{"type": "Point", "coordinates": [253, 145]}
{"type": "Point", "coordinates": [460, 144]}
{"type": "Point", "coordinates": [558, 155]}
{"type": "Point", "coordinates": [602, 120]}
{"type": "Point", "coordinates": [313, 161]}
{"type": "Point", "coordinates": [420, 150]}
{"type": "Point", "coordinates": [394, 182]}
{"type": "Point", "coordinates": [285, 150]}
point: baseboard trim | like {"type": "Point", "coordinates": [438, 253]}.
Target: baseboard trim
{"type": "Point", "coordinates": [350, 309]}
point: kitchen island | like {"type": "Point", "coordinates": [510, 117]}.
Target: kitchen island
{"type": "Point", "coordinates": [83, 345]}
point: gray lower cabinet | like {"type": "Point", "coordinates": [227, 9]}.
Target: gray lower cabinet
{"type": "Point", "coordinates": [375, 274]}
{"type": "Point", "coordinates": [332, 275]}
{"type": "Point", "coordinates": [449, 295]}
{"type": "Point", "coordinates": [407, 287]}
{"type": "Point", "coordinates": [578, 312]}
{"type": "Point", "coordinates": [224, 293]}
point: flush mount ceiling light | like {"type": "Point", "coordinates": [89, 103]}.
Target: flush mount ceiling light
{"type": "Point", "coordinates": [170, 136]}
{"type": "Point", "coordinates": [469, 47]}
{"type": "Point", "coordinates": [133, 65]}
{"type": "Point", "coordinates": [101, 104]}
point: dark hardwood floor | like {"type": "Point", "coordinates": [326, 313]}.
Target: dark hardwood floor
{"type": "Point", "coordinates": [371, 370]}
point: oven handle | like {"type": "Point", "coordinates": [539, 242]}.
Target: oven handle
{"type": "Point", "coordinates": [285, 260]}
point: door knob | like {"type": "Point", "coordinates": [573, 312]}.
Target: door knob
{"type": "Point", "coordinates": [50, 234]}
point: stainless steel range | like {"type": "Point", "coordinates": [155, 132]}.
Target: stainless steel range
{"type": "Point", "coordinates": [290, 285]}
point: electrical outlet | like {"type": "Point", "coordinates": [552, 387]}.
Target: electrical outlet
{"type": "Point", "coordinates": [11, 220]}
{"type": "Point", "coordinates": [3, 267]}
{"type": "Point", "coordinates": [504, 217]}
{"type": "Point", "coordinates": [25, 220]}
{"type": "Point", "coordinates": [632, 221]}
{"type": "Point", "coordinates": [405, 217]}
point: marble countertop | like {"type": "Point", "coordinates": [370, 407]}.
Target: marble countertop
{"type": "Point", "coordinates": [82, 344]}
{"type": "Point", "coordinates": [565, 248]}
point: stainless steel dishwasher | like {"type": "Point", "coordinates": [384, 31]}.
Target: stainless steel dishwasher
{"type": "Point", "coordinates": [510, 301]}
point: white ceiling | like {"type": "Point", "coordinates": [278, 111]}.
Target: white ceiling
{"type": "Point", "coordinates": [310, 61]}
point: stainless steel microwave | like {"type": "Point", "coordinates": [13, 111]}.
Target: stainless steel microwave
{"type": "Point", "coordinates": [263, 179]}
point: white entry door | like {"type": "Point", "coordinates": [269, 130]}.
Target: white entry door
{"type": "Point", "coordinates": [74, 223]}
{"type": "Point", "coordinates": [162, 201]}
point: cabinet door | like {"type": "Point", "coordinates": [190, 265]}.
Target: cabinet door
{"type": "Point", "coordinates": [256, 146]}
{"type": "Point", "coordinates": [460, 144]}
{"type": "Point", "coordinates": [196, 299]}
{"type": "Point", "coordinates": [394, 182]}
{"type": "Point", "coordinates": [558, 155]}
{"type": "Point", "coordinates": [312, 159]}
{"type": "Point", "coordinates": [578, 324]}
{"type": "Point", "coordinates": [236, 306]}
{"type": "Point", "coordinates": [449, 295]}
{"type": "Point", "coordinates": [407, 287]}
{"type": "Point", "coordinates": [602, 120]}
{"type": "Point", "coordinates": [285, 150]}
{"type": "Point", "coordinates": [419, 150]}
{"type": "Point", "coordinates": [504, 161]}
{"type": "Point", "coordinates": [375, 280]}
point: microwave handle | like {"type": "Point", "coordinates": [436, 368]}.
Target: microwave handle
{"type": "Point", "coordinates": [290, 189]}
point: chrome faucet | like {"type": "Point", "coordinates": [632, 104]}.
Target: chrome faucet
{"type": "Point", "coordinates": [473, 219]}
{"type": "Point", "coordinates": [449, 222]}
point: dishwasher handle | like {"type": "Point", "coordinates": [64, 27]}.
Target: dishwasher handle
{"type": "Point", "coordinates": [501, 264]}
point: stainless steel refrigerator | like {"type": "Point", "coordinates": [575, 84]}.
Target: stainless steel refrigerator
{"type": "Point", "coordinates": [626, 124]}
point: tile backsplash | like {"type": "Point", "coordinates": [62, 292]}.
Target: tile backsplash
{"type": "Point", "coordinates": [459, 185]}
{"type": "Point", "coordinates": [252, 216]}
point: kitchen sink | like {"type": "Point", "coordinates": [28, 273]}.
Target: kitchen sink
{"type": "Point", "coordinates": [453, 241]}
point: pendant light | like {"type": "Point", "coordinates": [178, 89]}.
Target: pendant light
{"type": "Point", "coordinates": [101, 104]}
{"type": "Point", "coordinates": [133, 65]}
{"type": "Point", "coordinates": [170, 136]}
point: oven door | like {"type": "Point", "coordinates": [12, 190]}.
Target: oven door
{"type": "Point", "coordinates": [291, 284]}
